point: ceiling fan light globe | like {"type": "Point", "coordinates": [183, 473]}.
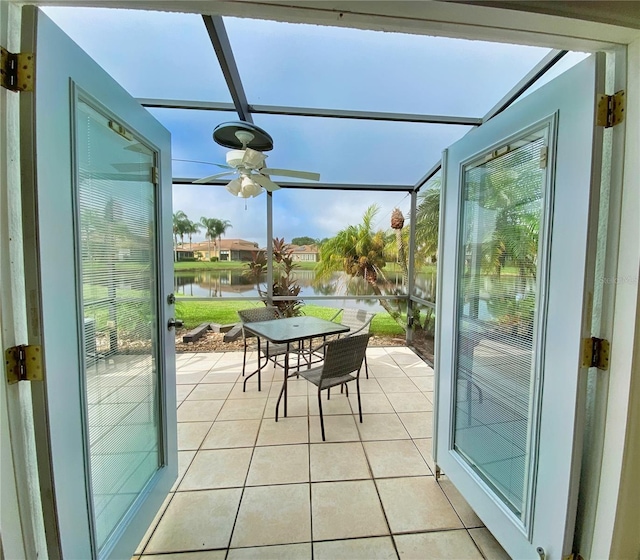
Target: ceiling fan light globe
{"type": "Point", "coordinates": [250, 188]}
{"type": "Point", "coordinates": [234, 187]}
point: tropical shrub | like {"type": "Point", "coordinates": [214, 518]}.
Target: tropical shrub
{"type": "Point", "coordinates": [284, 282]}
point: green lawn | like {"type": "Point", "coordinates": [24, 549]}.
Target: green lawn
{"type": "Point", "coordinates": [195, 312]}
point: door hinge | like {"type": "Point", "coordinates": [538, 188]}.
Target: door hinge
{"type": "Point", "coordinates": [544, 152]}
{"type": "Point", "coordinates": [16, 70]}
{"type": "Point", "coordinates": [595, 353]}
{"type": "Point", "coordinates": [121, 130]}
{"type": "Point", "coordinates": [611, 109]}
{"type": "Point", "coordinates": [23, 363]}
{"type": "Point", "coordinates": [154, 175]}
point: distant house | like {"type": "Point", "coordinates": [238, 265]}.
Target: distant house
{"type": "Point", "coordinates": [226, 250]}
{"type": "Point", "coordinates": [238, 250]}
{"type": "Point", "coordinates": [184, 254]}
{"type": "Point", "coordinates": [305, 253]}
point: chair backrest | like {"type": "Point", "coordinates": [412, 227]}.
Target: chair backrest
{"type": "Point", "coordinates": [344, 355]}
{"type": "Point", "coordinates": [358, 320]}
{"type": "Point", "coordinates": [255, 314]}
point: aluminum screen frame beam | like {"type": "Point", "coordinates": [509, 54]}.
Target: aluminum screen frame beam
{"type": "Point", "coordinates": [156, 103]}
{"type": "Point", "coordinates": [422, 182]}
{"type": "Point", "coordinates": [516, 91]}
{"type": "Point", "coordinates": [363, 115]}
{"type": "Point", "coordinates": [311, 112]}
{"type": "Point", "coordinates": [525, 83]}
{"type": "Point", "coordinates": [301, 185]}
{"type": "Point", "coordinates": [224, 52]}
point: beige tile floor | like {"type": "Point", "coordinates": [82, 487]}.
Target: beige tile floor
{"type": "Point", "coordinates": [251, 488]}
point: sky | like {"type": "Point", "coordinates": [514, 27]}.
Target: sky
{"type": "Point", "coordinates": [164, 55]}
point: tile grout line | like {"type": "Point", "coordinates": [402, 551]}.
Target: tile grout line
{"type": "Point", "coordinates": [310, 479]}
{"type": "Point", "coordinates": [384, 513]}
{"type": "Point", "coordinates": [200, 448]}
{"type": "Point", "coordinates": [366, 457]}
{"type": "Point", "coordinates": [310, 419]}
{"type": "Point", "coordinates": [244, 486]}
{"type": "Point", "coordinates": [177, 483]}
{"type": "Point", "coordinates": [196, 451]}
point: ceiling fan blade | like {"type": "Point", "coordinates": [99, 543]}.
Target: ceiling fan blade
{"type": "Point", "coordinates": [224, 166]}
{"type": "Point", "coordinates": [291, 173]}
{"type": "Point", "coordinates": [140, 148]}
{"type": "Point", "coordinates": [211, 178]}
{"type": "Point", "coordinates": [130, 167]}
{"type": "Point", "coordinates": [265, 182]}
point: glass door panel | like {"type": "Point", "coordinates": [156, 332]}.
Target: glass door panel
{"type": "Point", "coordinates": [503, 195]}
{"type": "Point", "coordinates": [116, 236]}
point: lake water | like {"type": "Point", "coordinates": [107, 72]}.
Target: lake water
{"type": "Point", "coordinates": [234, 284]}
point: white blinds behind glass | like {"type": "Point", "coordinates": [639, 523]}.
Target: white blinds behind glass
{"type": "Point", "coordinates": [501, 219]}
{"type": "Point", "coordinates": [115, 212]}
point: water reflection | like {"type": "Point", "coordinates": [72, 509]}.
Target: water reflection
{"type": "Point", "coordinates": [233, 283]}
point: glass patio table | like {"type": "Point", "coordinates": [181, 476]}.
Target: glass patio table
{"type": "Point", "coordinates": [292, 329]}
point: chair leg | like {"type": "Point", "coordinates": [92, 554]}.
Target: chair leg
{"type": "Point", "coordinates": [359, 401]}
{"type": "Point", "coordinates": [346, 389]}
{"type": "Point", "coordinates": [278, 402]}
{"type": "Point", "coordinates": [258, 371]}
{"type": "Point", "coordinates": [321, 417]}
{"type": "Point", "coordinates": [329, 394]}
{"type": "Point", "coordinates": [244, 357]}
{"type": "Point", "coordinates": [366, 366]}
{"type": "Point", "coordinates": [260, 364]}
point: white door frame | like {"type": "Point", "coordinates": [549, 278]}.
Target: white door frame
{"type": "Point", "coordinates": [455, 21]}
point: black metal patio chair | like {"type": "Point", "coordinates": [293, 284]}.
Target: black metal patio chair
{"type": "Point", "coordinates": [359, 322]}
{"type": "Point", "coordinates": [267, 351]}
{"type": "Point", "coordinates": [342, 364]}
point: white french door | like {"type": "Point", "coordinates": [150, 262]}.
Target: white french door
{"type": "Point", "coordinates": [97, 209]}
{"type": "Point", "coordinates": [519, 204]}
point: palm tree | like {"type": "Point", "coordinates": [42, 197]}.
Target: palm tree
{"type": "Point", "coordinates": [179, 224]}
{"type": "Point", "coordinates": [358, 251]}
{"type": "Point", "coordinates": [190, 229]}
{"type": "Point", "coordinates": [221, 228]}
{"type": "Point", "coordinates": [428, 220]}
{"type": "Point", "coordinates": [209, 225]}
{"type": "Point", "coordinates": [397, 223]}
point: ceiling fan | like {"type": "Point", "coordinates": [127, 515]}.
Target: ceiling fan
{"type": "Point", "coordinates": [246, 160]}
